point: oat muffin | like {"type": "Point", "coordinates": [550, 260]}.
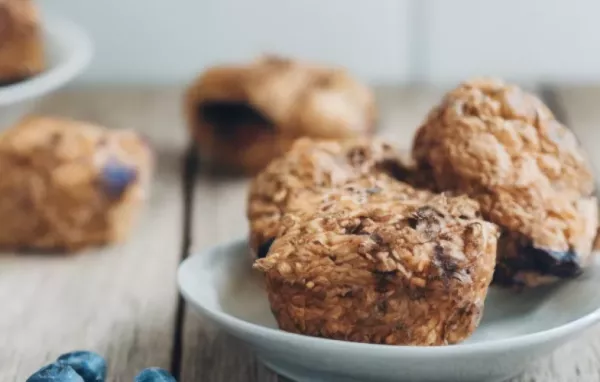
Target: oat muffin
{"type": "Point", "coordinates": [504, 148]}
{"type": "Point", "coordinates": [21, 48]}
{"type": "Point", "coordinates": [67, 185]}
{"type": "Point", "coordinates": [405, 272]}
{"type": "Point", "coordinates": [293, 181]}
{"type": "Point", "coordinates": [244, 116]}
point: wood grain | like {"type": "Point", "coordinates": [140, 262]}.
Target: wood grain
{"type": "Point", "coordinates": [582, 109]}
{"type": "Point", "coordinates": [219, 215]}
{"type": "Point", "coordinates": [208, 354]}
{"type": "Point", "coordinates": [119, 301]}
{"type": "Point", "coordinates": [402, 110]}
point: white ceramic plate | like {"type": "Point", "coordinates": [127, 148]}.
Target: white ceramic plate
{"type": "Point", "coordinates": [68, 50]}
{"type": "Point", "coordinates": [515, 330]}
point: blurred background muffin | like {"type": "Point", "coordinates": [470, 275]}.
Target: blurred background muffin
{"type": "Point", "coordinates": [21, 45]}
{"type": "Point", "coordinates": [246, 115]}
{"type": "Point", "coordinates": [68, 185]}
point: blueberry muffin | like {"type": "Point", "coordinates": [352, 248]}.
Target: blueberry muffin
{"type": "Point", "coordinates": [409, 271]}
{"type": "Point", "coordinates": [243, 116]}
{"type": "Point", "coordinates": [21, 48]}
{"type": "Point", "coordinates": [295, 180]}
{"type": "Point", "coordinates": [67, 185]}
{"type": "Point", "coordinates": [504, 148]}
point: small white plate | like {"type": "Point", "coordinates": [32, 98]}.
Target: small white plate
{"type": "Point", "coordinates": [515, 330]}
{"type": "Point", "coordinates": [68, 52]}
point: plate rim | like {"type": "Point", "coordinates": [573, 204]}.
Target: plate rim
{"type": "Point", "coordinates": [236, 324]}
{"type": "Point", "coordinates": [79, 52]}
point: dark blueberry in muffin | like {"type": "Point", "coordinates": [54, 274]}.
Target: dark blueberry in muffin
{"type": "Point", "coordinates": [263, 249]}
{"type": "Point", "coordinates": [116, 176]}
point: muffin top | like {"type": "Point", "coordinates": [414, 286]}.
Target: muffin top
{"type": "Point", "coordinates": [503, 147]}
{"type": "Point", "coordinates": [310, 166]}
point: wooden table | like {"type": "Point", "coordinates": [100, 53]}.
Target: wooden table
{"type": "Point", "coordinates": [122, 301]}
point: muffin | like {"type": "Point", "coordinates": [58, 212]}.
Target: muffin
{"type": "Point", "coordinates": [309, 167]}
{"type": "Point", "coordinates": [409, 271]}
{"type": "Point", "coordinates": [243, 116]}
{"type": "Point", "coordinates": [67, 185]}
{"type": "Point", "coordinates": [504, 148]}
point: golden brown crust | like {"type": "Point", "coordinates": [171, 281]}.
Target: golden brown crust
{"type": "Point", "coordinates": [305, 172]}
{"type": "Point", "coordinates": [21, 47]}
{"type": "Point", "coordinates": [270, 103]}
{"type": "Point", "coordinates": [67, 185]}
{"type": "Point", "coordinates": [504, 148]}
{"type": "Point", "coordinates": [403, 271]}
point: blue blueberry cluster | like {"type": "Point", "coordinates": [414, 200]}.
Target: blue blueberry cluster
{"type": "Point", "coordinates": [77, 366]}
{"type": "Point", "coordinates": [86, 366]}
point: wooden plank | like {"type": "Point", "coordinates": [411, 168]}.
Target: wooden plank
{"type": "Point", "coordinates": [578, 360]}
{"type": "Point", "coordinates": [118, 301]}
{"type": "Point", "coordinates": [208, 354]}
{"type": "Point", "coordinates": [219, 215]}
{"type": "Point", "coordinates": [582, 106]}
{"type": "Point", "coordinates": [402, 110]}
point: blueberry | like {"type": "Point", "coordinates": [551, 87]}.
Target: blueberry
{"type": "Point", "coordinates": [56, 372]}
{"type": "Point", "coordinates": [116, 176]}
{"type": "Point", "coordinates": [565, 264]}
{"type": "Point", "coordinates": [541, 261]}
{"type": "Point", "coordinates": [154, 374]}
{"type": "Point", "coordinates": [89, 365]}
{"type": "Point", "coordinates": [264, 248]}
